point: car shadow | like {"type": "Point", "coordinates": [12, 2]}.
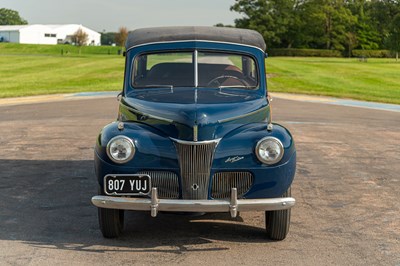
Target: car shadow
{"type": "Point", "coordinates": [47, 204]}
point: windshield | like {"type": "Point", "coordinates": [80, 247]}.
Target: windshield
{"type": "Point", "coordinates": [194, 69]}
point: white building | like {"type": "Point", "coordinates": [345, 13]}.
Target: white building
{"type": "Point", "coordinates": [45, 34]}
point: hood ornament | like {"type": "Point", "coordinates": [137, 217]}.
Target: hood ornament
{"type": "Point", "coordinates": [195, 133]}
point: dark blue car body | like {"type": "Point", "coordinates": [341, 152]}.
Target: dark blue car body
{"type": "Point", "coordinates": [155, 119]}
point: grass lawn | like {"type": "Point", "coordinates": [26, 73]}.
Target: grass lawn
{"type": "Point", "coordinates": [26, 75]}
{"type": "Point", "coordinates": [376, 80]}
{"type": "Point", "coordinates": [41, 69]}
{"type": "Point", "coordinates": [59, 49]}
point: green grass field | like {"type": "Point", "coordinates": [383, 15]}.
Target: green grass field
{"type": "Point", "coordinates": [27, 70]}
{"type": "Point", "coordinates": [41, 69]}
{"type": "Point", "coordinates": [376, 80]}
{"type": "Point", "coordinates": [60, 49]}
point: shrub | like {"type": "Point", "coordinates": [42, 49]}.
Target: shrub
{"type": "Point", "coordinates": [372, 53]}
{"type": "Point", "coordinates": [304, 52]}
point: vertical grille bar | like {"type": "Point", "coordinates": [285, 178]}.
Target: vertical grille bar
{"type": "Point", "coordinates": [223, 182]}
{"type": "Point", "coordinates": [167, 183]}
{"type": "Point", "coordinates": [195, 160]}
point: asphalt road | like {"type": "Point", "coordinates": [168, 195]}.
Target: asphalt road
{"type": "Point", "coordinates": [346, 187]}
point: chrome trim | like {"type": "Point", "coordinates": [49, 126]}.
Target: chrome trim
{"type": "Point", "coordinates": [195, 133]}
{"type": "Point", "coordinates": [195, 161]}
{"type": "Point", "coordinates": [234, 159]}
{"type": "Point", "coordinates": [188, 142]}
{"type": "Point", "coordinates": [129, 157]}
{"type": "Point", "coordinates": [196, 74]}
{"type": "Point", "coordinates": [223, 182]}
{"type": "Point", "coordinates": [154, 204]}
{"type": "Point", "coordinates": [207, 41]}
{"type": "Point", "coordinates": [121, 126]}
{"type": "Point", "coordinates": [167, 183]}
{"type": "Point", "coordinates": [264, 139]}
{"type": "Point", "coordinates": [233, 206]}
{"type": "Point", "coordinates": [242, 116]}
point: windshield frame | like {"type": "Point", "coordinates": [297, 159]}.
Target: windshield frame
{"type": "Point", "coordinates": [195, 55]}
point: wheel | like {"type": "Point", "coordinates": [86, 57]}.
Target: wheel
{"type": "Point", "coordinates": [111, 222]}
{"type": "Point", "coordinates": [277, 222]}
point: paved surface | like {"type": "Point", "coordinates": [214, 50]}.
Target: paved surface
{"type": "Point", "coordinates": [347, 187]}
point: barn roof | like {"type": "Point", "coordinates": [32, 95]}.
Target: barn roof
{"type": "Point", "coordinates": [13, 27]}
{"type": "Point", "coordinates": [215, 34]}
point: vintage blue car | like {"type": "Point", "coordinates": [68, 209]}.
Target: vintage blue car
{"type": "Point", "coordinates": [194, 131]}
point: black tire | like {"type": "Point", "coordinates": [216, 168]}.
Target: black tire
{"type": "Point", "coordinates": [277, 223]}
{"type": "Point", "coordinates": [111, 222]}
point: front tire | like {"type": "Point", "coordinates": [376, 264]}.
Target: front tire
{"type": "Point", "coordinates": [111, 222]}
{"type": "Point", "coordinates": [277, 223]}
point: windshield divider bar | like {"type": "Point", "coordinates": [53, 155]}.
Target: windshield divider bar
{"type": "Point", "coordinates": [196, 74]}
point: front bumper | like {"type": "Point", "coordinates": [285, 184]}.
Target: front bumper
{"type": "Point", "coordinates": [234, 205]}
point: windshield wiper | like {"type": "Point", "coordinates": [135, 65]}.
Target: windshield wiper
{"type": "Point", "coordinates": [156, 86]}
{"type": "Point", "coordinates": [236, 86]}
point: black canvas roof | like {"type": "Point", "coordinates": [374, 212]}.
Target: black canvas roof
{"type": "Point", "coordinates": [218, 34]}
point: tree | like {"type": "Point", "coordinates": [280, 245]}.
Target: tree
{"type": "Point", "coordinates": [274, 19]}
{"type": "Point", "coordinates": [365, 30]}
{"type": "Point", "coordinates": [80, 38]}
{"type": "Point", "coordinates": [108, 38]}
{"type": "Point", "coordinates": [223, 25]}
{"type": "Point", "coordinates": [121, 36]}
{"type": "Point", "coordinates": [341, 25]}
{"type": "Point", "coordinates": [328, 24]}
{"type": "Point", "coordinates": [351, 42]}
{"type": "Point", "coordinates": [11, 17]}
{"type": "Point", "coordinates": [394, 36]}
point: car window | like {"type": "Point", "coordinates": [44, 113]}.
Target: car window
{"type": "Point", "coordinates": [214, 70]}
{"type": "Point", "coordinates": [226, 70]}
{"type": "Point", "coordinates": [164, 69]}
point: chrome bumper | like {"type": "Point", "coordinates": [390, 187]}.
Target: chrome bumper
{"type": "Point", "coordinates": [155, 204]}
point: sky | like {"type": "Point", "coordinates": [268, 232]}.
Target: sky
{"type": "Point", "coordinates": [109, 16]}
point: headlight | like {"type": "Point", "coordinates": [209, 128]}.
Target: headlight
{"type": "Point", "coordinates": [120, 149]}
{"type": "Point", "coordinates": [269, 150]}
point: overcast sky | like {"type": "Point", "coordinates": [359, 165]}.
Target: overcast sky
{"type": "Point", "coordinates": [109, 15]}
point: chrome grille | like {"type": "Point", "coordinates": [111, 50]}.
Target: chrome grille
{"type": "Point", "coordinates": [195, 160]}
{"type": "Point", "coordinates": [223, 182]}
{"type": "Point", "coordinates": [167, 183]}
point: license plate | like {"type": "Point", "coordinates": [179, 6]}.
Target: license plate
{"type": "Point", "coordinates": [127, 184]}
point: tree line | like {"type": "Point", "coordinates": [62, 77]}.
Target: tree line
{"type": "Point", "coordinates": [341, 25]}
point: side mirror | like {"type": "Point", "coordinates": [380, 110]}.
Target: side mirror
{"type": "Point", "coordinates": [119, 96]}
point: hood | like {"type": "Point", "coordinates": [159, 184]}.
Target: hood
{"type": "Point", "coordinates": [190, 114]}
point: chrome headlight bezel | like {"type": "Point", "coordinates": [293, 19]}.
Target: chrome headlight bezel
{"type": "Point", "coordinates": [126, 141]}
{"type": "Point", "coordinates": [273, 141]}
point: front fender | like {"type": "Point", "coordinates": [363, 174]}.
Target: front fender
{"type": "Point", "coordinates": [242, 142]}
{"type": "Point", "coordinates": [234, 153]}
{"type": "Point", "coordinates": [152, 147]}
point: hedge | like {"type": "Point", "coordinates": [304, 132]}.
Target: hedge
{"type": "Point", "coordinates": [304, 52]}
{"type": "Point", "coordinates": [328, 53]}
{"type": "Point", "coordinates": [372, 53]}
